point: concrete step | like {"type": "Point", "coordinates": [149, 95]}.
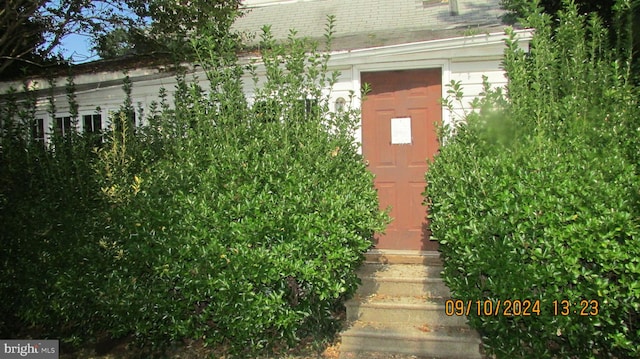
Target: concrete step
{"type": "Point", "coordinates": [402, 279]}
{"type": "Point", "coordinates": [398, 311]}
{"type": "Point", "coordinates": [417, 340]}
{"type": "Point", "coordinates": [401, 309]}
{"type": "Point", "coordinates": [403, 257]}
{"type": "Point", "coordinates": [379, 270]}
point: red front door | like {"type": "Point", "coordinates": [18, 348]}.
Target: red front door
{"type": "Point", "coordinates": [398, 136]}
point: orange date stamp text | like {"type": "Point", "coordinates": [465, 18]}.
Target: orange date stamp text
{"type": "Point", "coordinates": [518, 307]}
{"type": "Point", "coordinates": [488, 307]}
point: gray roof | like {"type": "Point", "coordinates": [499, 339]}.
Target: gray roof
{"type": "Point", "coordinates": [369, 23]}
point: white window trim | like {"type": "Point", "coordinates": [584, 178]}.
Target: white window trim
{"type": "Point", "coordinates": [45, 136]}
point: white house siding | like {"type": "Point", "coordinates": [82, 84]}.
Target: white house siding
{"type": "Point", "coordinates": [470, 75]}
{"type": "Point", "coordinates": [464, 59]}
{"type": "Point", "coordinates": [98, 93]}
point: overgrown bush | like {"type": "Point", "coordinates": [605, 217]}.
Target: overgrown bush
{"type": "Point", "coordinates": [49, 210]}
{"type": "Point", "coordinates": [250, 228]}
{"type": "Point", "coordinates": [536, 197]}
{"type": "Point", "coordinates": [239, 225]}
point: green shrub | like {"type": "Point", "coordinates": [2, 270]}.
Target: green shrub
{"type": "Point", "coordinates": [536, 197]}
{"type": "Point", "coordinates": [49, 213]}
{"type": "Point", "coordinates": [237, 225]}
{"type": "Point", "coordinates": [248, 232]}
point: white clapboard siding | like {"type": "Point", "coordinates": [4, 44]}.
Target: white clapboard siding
{"type": "Point", "coordinates": [465, 59]}
{"type": "Point", "coordinates": [470, 75]}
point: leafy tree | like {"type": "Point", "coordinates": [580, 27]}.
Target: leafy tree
{"type": "Point", "coordinates": [617, 15]}
{"type": "Point", "coordinates": [122, 42]}
{"type": "Point", "coordinates": [168, 26]}
{"type": "Point", "coordinates": [31, 31]}
{"type": "Point", "coordinates": [520, 8]}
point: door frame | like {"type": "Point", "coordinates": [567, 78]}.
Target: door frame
{"type": "Point", "coordinates": [357, 70]}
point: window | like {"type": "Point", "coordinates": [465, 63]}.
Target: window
{"type": "Point", "coordinates": [132, 119]}
{"type": "Point", "coordinates": [271, 110]}
{"type": "Point", "coordinates": [92, 125]}
{"type": "Point", "coordinates": [340, 104]}
{"type": "Point", "coordinates": [37, 131]}
{"type": "Point", "coordinates": [128, 116]}
{"type": "Point", "coordinates": [63, 125]}
{"type": "Point", "coordinates": [267, 110]}
{"type": "Point", "coordinates": [311, 109]}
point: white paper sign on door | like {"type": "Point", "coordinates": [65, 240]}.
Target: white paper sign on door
{"type": "Point", "coordinates": [401, 130]}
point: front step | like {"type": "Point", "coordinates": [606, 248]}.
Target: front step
{"type": "Point", "coordinates": [402, 280]}
{"type": "Point", "coordinates": [403, 257]}
{"type": "Point", "coordinates": [399, 310]}
{"type": "Point", "coordinates": [409, 310]}
{"type": "Point", "coordinates": [421, 341]}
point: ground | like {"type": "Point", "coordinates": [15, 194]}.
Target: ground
{"type": "Point", "coordinates": [124, 349]}
{"type": "Point", "coordinates": [195, 350]}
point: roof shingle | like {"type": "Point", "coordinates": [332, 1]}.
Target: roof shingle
{"type": "Point", "coordinates": [366, 23]}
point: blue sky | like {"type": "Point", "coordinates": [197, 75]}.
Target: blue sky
{"type": "Point", "coordinates": [77, 45]}
{"type": "Point", "coordinates": [77, 48]}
